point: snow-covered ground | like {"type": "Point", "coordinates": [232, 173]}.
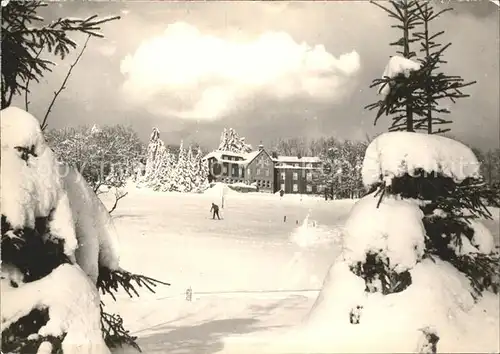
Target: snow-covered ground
{"type": "Point", "coordinates": [250, 273]}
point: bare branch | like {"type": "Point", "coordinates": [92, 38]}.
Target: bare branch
{"type": "Point", "coordinates": [63, 85]}
{"type": "Point", "coordinates": [118, 196]}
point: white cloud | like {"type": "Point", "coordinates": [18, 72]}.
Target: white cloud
{"type": "Point", "coordinates": [192, 75]}
{"type": "Point", "coordinates": [107, 50]}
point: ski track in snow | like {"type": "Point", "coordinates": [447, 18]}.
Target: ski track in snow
{"type": "Point", "coordinates": [246, 272]}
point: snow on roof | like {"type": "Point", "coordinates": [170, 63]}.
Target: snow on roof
{"type": "Point", "coordinates": [218, 154]}
{"type": "Point", "coordinates": [306, 159]}
{"type": "Point", "coordinates": [291, 167]}
{"type": "Point", "coordinates": [251, 155]}
{"type": "Point", "coordinates": [396, 153]}
{"type": "Point", "coordinates": [247, 157]}
{"type": "Point", "coordinates": [397, 65]}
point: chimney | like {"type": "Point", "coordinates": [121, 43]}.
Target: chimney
{"type": "Point", "coordinates": [261, 147]}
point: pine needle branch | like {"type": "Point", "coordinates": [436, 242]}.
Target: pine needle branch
{"type": "Point", "coordinates": [110, 281]}
{"type": "Point", "coordinates": [114, 334]}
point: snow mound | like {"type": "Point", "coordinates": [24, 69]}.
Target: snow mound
{"type": "Point", "coordinates": [397, 65]}
{"type": "Point", "coordinates": [219, 189]}
{"type": "Point", "coordinates": [242, 187]}
{"type": "Point", "coordinates": [394, 154]}
{"type": "Point", "coordinates": [30, 183]}
{"type": "Point", "coordinates": [310, 234]}
{"type": "Point", "coordinates": [95, 232]}
{"type": "Point", "coordinates": [73, 303]}
{"type": "Point", "coordinates": [437, 301]}
{"type": "Point", "coordinates": [394, 229]}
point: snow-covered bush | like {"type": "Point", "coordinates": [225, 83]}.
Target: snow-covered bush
{"type": "Point", "coordinates": [105, 156]}
{"type": "Point", "coordinates": [414, 253]}
{"type": "Point", "coordinates": [58, 248]}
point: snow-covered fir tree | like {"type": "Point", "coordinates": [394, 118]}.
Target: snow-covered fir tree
{"type": "Point", "coordinates": [155, 144]}
{"type": "Point", "coordinates": [166, 169]}
{"type": "Point", "coordinates": [180, 175]}
{"type": "Point", "coordinates": [58, 248]}
{"type": "Point", "coordinates": [415, 252]}
{"type": "Point", "coordinates": [412, 87]}
{"type": "Point", "coordinates": [231, 141]}
{"type": "Point", "coordinates": [202, 171]}
{"type": "Point", "coordinates": [167, 172]}
{"type": "Point", "coordinates": [192, 170]}
{"type": "Point", "coordinates": [413, 255]}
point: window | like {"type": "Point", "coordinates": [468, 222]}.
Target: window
{"type": "Point", "coordinates": [295, 176]}
{"type": "Point", "coordinates": [283, 175]}
{"type": "Point", "coordinates": [225, 169]}
{"type": "Point", "coordinates": [234, 171]}
{"type": "Point", "coordinates": [268, 184]}
{"type": "Point", "coordinates": [309, 188]}
{"type": "Point", "coordinates": [309, 176]}
{"type": "Point", "coordinates": [295, 187]}
{"type": "Point", "coordinates": [282, 187]}
{"type": "Point", "coordinates": [309, 165]}
{"type": "Point", "coordinates": [267, 173]}
{"type": "Point", "coordinates": [258, 172]}
{"type": "Point", "coordinates": [248, 171]}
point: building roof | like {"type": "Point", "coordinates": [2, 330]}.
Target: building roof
{"type": "Point", "coordinates": [291, 167]}
{"type": "Point", "coordinates": [295, 159]}
{"type": "Point", "coordinates": [249, 156]}
{"type": "Point", "coordinates": [246, 156]}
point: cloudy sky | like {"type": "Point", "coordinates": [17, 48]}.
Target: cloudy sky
{"type": "Point", "coordinates": [267, 69]}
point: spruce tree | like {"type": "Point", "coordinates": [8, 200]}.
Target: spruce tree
{"type": "Point", "coordinates": [202, 172]}
{"type": "Point", "coordinates": [406, 13]}
{"type": "Point", "coordinates": [179, 175]}
{"type": "Point", "coordinates": [191, 170]}
{"type": "Point", "coordinates": [152, 151]}
{"type": "Point", "coordinates": [451, 208]}
{"type": "Point", "coordinates": [165, 176]}
{"type": "Point", "coordinates": [231, 141]}
{"type": "Point", "coordinates": [437, 85]}
{"type": "Point", "coordinates": [413, 96]}
{"type": "Point", "coordinates": [26, 39]}
{"type": "Point", "coordinates": [46, 240]}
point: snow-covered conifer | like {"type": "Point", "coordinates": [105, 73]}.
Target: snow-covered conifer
{"type": "Point", "coordinates": [231, 141]}
{"type": "Point", "coordinates": [58, 249]}
{"type": "Point", "coordinates": [154, 145]}
{"type": "Point", "coordinates": [180, 181]}
{"type": "Point", "coordinates": [418, 238]}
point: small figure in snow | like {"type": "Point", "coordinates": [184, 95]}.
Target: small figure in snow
{"type": "Point", "coordinates": [189, 294]}
{"type": "Point", "coordinates": [215, 209]}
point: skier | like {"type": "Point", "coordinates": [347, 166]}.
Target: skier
{"type": "Point", "coordinates": [215, 209]}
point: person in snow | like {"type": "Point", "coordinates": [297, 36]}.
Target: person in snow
{"type": "Point", "coordinates": [215, 209]}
